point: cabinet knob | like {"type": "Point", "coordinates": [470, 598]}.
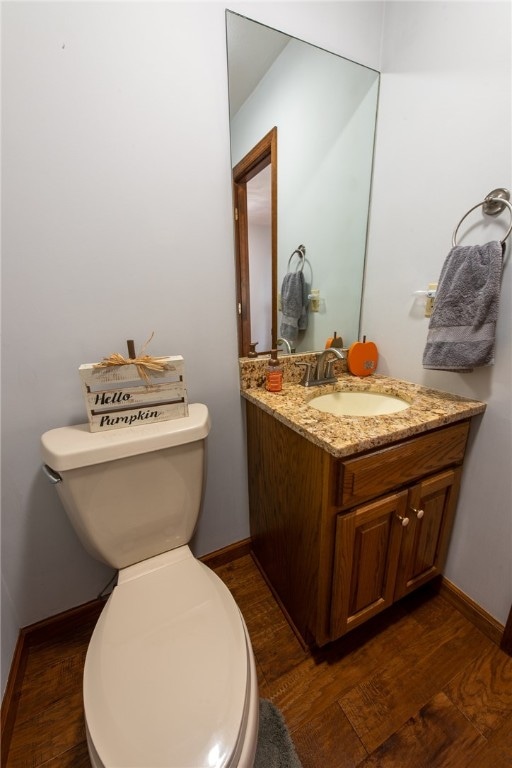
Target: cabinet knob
{"type": "Point", "coordinates": [404, 520]}
{"type": "Point", "coordinates": [419, 512]}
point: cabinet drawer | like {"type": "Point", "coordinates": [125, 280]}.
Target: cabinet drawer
{"type": "Point", "coordinates": [369, 476]}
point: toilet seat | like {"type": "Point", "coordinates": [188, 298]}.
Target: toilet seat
{"type": "Point", "coordinates": [169, 674]}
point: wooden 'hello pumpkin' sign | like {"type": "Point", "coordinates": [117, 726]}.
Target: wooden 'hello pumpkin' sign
{"type": "Point", "coordinates": [126, 392]}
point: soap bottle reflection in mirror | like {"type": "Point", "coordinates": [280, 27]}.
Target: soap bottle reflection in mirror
{"type": "Point", "coordinates": [274, 374]}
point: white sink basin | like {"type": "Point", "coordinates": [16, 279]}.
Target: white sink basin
{"type": "Point", "coordinates": [358, 403]}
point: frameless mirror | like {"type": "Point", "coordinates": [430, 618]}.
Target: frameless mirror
{"type": "Point", "coordinates": [302, 127]}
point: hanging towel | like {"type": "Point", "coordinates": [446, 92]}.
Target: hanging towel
{"type": "Point", "coordinates": [462, 327]}
{"type": "Point", "coordinates": [303, 319]}
{"type": "Point", "coordinates": [294, 305]}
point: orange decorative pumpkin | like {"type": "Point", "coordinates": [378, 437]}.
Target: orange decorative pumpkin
{"type": "Point", "coordinates": [334, 341]}
{"type": "Point", "coordinates": [362, 358]}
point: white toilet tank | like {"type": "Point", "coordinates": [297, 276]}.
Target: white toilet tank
{"type": "Point", "coordinates": [135, 492]}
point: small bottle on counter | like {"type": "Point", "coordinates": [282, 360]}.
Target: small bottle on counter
{"type": "Point", "coordinates": [274, 374]}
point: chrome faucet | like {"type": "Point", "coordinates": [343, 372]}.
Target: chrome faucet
{"type": "Point", "coordinates": [322, 373]}
{"type": "Point", "coordinates": [286, 344]}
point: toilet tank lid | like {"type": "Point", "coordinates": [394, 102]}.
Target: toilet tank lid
{"type": "Point", "coordinates": [76, 446]}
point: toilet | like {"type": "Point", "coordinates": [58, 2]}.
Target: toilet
{"type": "Point", "coordinates": [169, 677]}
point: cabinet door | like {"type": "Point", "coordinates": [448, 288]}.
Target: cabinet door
{"type": "Point", "coordinates": [366, 557]}
{"type": "Point", "coordinates": [431, 510]}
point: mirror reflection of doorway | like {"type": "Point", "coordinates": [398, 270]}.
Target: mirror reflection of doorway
{"type": "Point", "coordinates": [259, 227]}
{"type": "Point", "coordinates": [255, 201]}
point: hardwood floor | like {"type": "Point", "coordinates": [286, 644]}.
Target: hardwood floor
{"type": "Point", "coordinates": [417, 687]}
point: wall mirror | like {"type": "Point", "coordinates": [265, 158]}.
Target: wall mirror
{"type": "Point", "coordinates": [302, 128]}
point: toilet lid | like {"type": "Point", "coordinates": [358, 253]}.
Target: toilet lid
{"type": "Point", "coordinates": [166, 672]}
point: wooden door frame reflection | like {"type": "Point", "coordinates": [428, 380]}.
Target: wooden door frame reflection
{"type": "Point", "coordinates": [264, 153]}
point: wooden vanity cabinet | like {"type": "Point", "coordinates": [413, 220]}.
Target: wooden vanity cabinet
{"type": "Point", "coordinates": [367, 550]}
{"type": "Point", "coordinates": [388, 548]}
{"type": "Point", "coordinates": [339, 540]}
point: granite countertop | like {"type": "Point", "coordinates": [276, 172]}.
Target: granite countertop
{"type": "Point", "coordinates": [345, 435]}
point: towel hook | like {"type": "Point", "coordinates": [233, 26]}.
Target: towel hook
{"type": "Point", "coordinates": [495, 202]}
{"type": "Point", "coordinates": [301, 253]}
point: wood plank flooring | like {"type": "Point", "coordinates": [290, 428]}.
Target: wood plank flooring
{"type": "Point", "coordinates": [417, 687]}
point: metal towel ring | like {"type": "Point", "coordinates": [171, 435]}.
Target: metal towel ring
{"type": "Point", "coordinates": [494, 203]}
{"type": "Point", "coordinates": [301, 253]}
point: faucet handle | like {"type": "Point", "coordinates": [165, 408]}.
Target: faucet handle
{"type": "Point", "coordinates": [306, 379]}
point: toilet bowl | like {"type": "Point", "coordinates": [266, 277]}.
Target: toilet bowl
{"type": "Point", "coordinates": [169, 678]}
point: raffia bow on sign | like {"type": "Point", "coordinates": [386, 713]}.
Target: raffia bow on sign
{"type": "Point", "coordinates": [144, 363]}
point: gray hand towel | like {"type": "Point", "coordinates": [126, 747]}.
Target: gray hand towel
{"type": "Point", "coordinates": [294, 301]}
{"type": "Point", "coordinates": [462, 327]}
{"type": "Point", "coordinates": [303, 319]}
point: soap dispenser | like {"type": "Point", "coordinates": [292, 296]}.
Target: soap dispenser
{"type": "Point", "coordinates": [274, 374]}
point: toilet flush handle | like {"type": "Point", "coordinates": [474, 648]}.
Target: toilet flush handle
{"type": "Point", "coordinates": [51, 474]}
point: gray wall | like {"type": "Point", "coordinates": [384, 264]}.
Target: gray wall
{"type": "Point", "coordinates": [116, 213]}
{"type": "Point", "coordinates": [443, 144]}
{"type": "Point", "coordinates": [116, 223]}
